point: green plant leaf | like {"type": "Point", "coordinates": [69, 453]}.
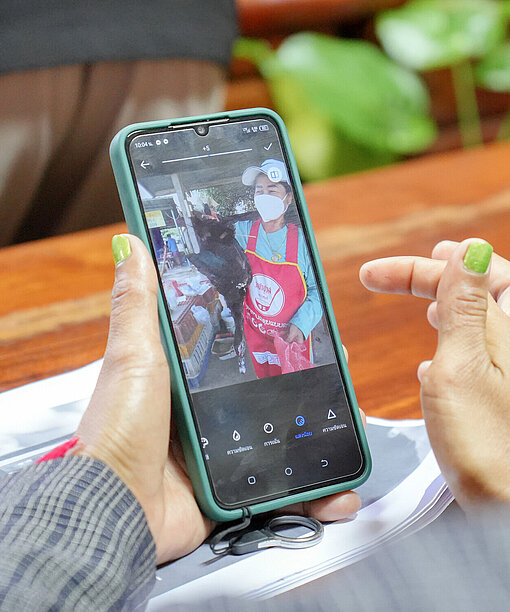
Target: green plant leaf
{"type": "Point", "coordinates": [430, 34]}
{"type": "Point", "coordinates": [493, 72]}
{"type": "Point", "coordinates": [370, 99]}
{"type": "Point", "coordinates": [254, 50]}
{"type": "Point", "coordinates": [322, 151]}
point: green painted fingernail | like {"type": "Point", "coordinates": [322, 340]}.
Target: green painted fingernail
{"type": "Point", "coordinates": [121, 248]}
{"type": "Point", "coordinates": [478, 256]}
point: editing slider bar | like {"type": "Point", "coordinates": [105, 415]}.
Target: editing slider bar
{"type": "Point", "coordinates": [171, 161]}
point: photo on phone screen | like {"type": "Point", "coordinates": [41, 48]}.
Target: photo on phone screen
{"type": "Point", "coordinates": [246, 309]}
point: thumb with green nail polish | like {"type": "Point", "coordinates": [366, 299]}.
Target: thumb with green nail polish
{"type": "Point", "coordinates": [462, 296]}
{"type": "Point", "coordinates": [478, 257]}
{"type": "Point", "coordinates": [465, 388]}
{"type": "Point", "coordinates": [127, 423]}
{"type": "Point", "coordinates": [121, 248]}
{"type": "Point", "coordinates": [465, 393]}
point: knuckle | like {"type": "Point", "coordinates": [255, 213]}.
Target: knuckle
{"type": "Point", "coordinates": [454, 373]}
{"type": "Point", "coordinates": [134, 365]}
{"type": "Point", "coordinates": [438, 377]}
{"type": "Point", "coordinates": [473, 301]}
{"type": "Point", "coordinates": [128, 289]}
{"type": "Point", "coordinates": [467, 306]}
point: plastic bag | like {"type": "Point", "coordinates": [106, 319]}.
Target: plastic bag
{"type": "Point", "coordinates": [230, 324]}
{"type": "Point", "coordinates": [170, 296]}
{"type": "Point", "coordinates": [201, 315]}
{"type": "Point", "coordinates": [293, 356]}
{"type": "Point", "coordinates": [192, 287]}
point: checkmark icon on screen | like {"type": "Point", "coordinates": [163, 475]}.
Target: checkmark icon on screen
{"type": "Point", "coordinates": [269, 146]}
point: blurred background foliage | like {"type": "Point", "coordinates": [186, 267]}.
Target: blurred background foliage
{"type": "Point", "coordinates": [351, 105]}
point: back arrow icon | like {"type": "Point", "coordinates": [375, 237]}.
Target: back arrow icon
{"type": "Point", "coordinates": [145, 164]}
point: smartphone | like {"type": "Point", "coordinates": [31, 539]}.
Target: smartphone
{"type": "Point", "coordinates": [265, 406]}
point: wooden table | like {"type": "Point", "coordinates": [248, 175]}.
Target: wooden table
{"type": "Point", "coordinates": [54, 301]}
{"type": "Point", "coordinates": [263, 17]}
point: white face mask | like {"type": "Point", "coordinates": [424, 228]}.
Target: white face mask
{"type": "Point", "coordinates": [270, 207]}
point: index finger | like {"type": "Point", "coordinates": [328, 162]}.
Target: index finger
{"type": "Point", "coordinates": [405, 275]}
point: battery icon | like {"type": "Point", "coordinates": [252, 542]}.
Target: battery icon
{"type": "Point", "coordinates": [263, 128]}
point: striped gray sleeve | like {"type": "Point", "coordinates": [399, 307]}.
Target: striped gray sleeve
{"type": "Point", "coordinates": [73, 537]}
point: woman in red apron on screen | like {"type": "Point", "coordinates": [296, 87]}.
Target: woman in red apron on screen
{"type": "Point", "coordinates": [282, 298]}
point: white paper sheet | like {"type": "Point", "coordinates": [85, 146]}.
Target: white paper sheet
{"type": "Point", "coordinates": [405, 492]}
{"type": "Point", "coordinates": [395, 502]}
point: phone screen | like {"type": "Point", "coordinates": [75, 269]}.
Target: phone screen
{"type": "Point", "coordinates": [246, 309]}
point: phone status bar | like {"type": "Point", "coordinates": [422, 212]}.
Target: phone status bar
{"type": "Point", "coordinates": [256, 128]}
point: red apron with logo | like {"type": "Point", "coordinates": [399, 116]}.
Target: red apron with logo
{"type": "Point", "coordinates": [276, 292]}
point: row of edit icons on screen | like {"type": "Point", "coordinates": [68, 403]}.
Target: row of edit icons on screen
{"type": "Point", "coordinates": [269, 427]}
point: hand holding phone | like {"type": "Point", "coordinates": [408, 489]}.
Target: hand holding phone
{"type": "Point", "coordinates": [230, 237]}
{"type": "Point", "coordinates": [137, 409]}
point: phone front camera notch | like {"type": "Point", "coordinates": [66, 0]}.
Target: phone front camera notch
{"type": "Point", "coordinates": [202, 130]}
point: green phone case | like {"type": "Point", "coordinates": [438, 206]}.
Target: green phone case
{"type": "Point", "coordinates": [181, 409]}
